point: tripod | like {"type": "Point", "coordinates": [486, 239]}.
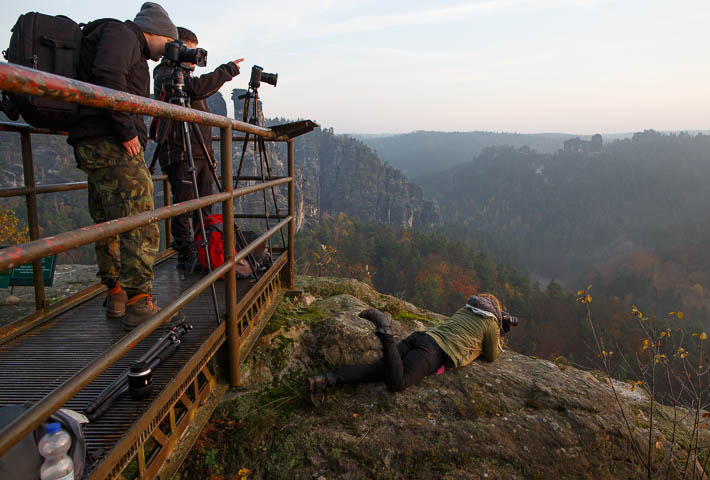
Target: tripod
{"type": "Point", "coordinates": [178, 96]}
{"type": "Point", "coordinates": [259, 149]}
{"type": "Point", "coordinates": [141, 369]}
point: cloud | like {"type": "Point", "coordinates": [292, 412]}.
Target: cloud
{"type": "Point", "coordinates": [443, 14]}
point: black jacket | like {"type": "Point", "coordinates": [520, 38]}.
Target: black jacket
{"type": "Point", "coordinates": [114, 55]}
{"type": "Point", "coordinates": [199, 89]}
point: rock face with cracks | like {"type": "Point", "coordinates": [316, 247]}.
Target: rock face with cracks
{"type": "Point", "coordinates": [519, 417]}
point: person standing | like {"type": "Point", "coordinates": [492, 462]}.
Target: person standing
{"type": "Point", "coordinates": [109, 145]}
{"type": "Point", "coordinates": [172, 153]}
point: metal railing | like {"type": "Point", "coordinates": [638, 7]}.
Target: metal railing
{"type": "Point", "coordinates": [17, 79]}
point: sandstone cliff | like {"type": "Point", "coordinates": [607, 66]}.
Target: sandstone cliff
{"type": "Point", "coordinates": [337, 173]}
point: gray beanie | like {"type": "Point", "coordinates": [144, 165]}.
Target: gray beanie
{"type": "Point", "coordinates": [154, 19]}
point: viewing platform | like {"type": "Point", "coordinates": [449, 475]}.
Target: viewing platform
{"type": "Point", "coordinates": [66, 353]}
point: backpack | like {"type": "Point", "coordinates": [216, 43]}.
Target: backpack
{"type": "Point", "coordinates": [215, 247]}
{"type": "Point", "coordinates": [23, 459]}
{"type": "Point", "coordinates": [49, 44]}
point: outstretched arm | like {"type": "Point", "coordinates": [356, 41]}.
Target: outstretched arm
{"type": "Point", "coordinates": [201, 87]}
{"type": "Point", "coordinates": [491, 340]}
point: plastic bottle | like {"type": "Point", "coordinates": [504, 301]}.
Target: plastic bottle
{"type": "Point", "coordinates": [53, 446]}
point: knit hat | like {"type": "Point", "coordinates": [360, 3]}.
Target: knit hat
{"type": "Point", "coordinates": [486, 302]}
{"type": "Point", "coordinates": [154, 19]}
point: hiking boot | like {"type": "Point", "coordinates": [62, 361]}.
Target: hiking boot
{"type": "Point", "coordinates": [318, 387]}
{"type": "Point", "coordinates": [115, 302]}
{"type": "Point", "coordinates": [382, 321]}
{"type": "Point", "coordinates": [141, 307]}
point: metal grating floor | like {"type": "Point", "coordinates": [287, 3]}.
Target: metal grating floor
{"type": "Point", "coordinates": [35, 363]}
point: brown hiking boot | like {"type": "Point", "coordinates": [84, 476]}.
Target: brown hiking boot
{"type": "Point", "coordinates": [115, 302]}
{"type": "Point", "coordinates": [141, 307]}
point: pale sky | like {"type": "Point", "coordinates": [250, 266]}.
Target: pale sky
{"type": "Point", "coordinates": [577, 66]}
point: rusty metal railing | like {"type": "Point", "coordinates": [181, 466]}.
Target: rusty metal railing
{"type": "Point", "coordinates": [30, 192]}
{"type": "Point", "coordinates": [17, 79]}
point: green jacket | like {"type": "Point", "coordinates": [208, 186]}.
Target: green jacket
{"type": "Point", "coordinates": [466, 335]}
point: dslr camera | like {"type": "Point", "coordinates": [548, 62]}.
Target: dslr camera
{"type": "Point", "coordinates": [176, 53]}
{"type": "Point", "coordinates": [258, 75]}
{"type": "Point", "coordinates": [508, 321]}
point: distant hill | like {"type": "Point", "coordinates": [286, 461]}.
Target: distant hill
{"type": "Point", "coordinates": [422, 153]}
{"type": "Point", "coordinates": [567, 213]}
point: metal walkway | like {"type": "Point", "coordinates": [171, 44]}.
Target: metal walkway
{"type": "Point", "coordinates": [35, 363]}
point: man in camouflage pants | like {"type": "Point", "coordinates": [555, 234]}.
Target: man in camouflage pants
{"type": "Point", "coordinates": [109, 146]}
{"type": "Point", "coordinates": [119, 186]}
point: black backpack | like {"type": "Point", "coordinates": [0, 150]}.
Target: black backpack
{"type": "Point", "coordinates": [50, 44]}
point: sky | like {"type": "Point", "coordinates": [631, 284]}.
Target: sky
{"type": "Point", "coordinates": [529, 66]}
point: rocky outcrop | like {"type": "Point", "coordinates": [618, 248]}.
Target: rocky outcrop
{"type": "Point", "coordinates": [520, 417]}
{"type": "Point", "coordinates": [337, 173]}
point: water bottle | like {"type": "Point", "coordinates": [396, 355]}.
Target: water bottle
{"type": "Point", "coordinates": [53, 446]}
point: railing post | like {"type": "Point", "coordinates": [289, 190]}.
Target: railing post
{"type": "Point", "coordinates": [166, 202]}
{"type": "Point", "coordinates": [230, 278]}
{"type": "Point", "coordinates": [32, 216]}
{"type": "Point", "coordinates": [291, 269]}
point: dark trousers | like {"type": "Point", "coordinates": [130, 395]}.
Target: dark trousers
{"type": "Point", "coordinates": [182, 190]}
{"type": "Point", "coordinates": [402, 365]}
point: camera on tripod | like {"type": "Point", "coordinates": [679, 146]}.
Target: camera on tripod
{"type": "Point", "coordinates": [176, 53]}
{"type": "Point", "coordinates": [258, 75]}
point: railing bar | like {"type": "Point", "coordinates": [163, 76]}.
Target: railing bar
{"type": "Point", "coordinates": [168, 223]}
{"type": "Point", "coordinates": [241, 139]}
{"type": "Point", "coordinates": [40, 411]}
{"type": "Point", "coordinates": [17, 79]}
{"type": "Point", "coordinates": [32, 216]}
{"type": "Point", "coordinates": [54, 188]}
{"type": "Point", "coordinates": [22, 127]}
{"type": "Point", "coordinates": [27, 252]}
{"type": "Point", "coordinates": [290, 279]}
{"type": "Point", "coordinates": [25, 324]}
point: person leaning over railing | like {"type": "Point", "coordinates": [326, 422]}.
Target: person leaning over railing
{"type": "Point", "coordinates": [108, 146]}
{"type": "Point", "coordinates": [473, 331]}
{"type": "Point", "coordinates": [172, 153]}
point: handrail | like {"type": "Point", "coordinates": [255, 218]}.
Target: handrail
{"type": "Point", "coordinates": [18, 79]}
{"type": "Point", "coordinates": [23, 127]}
{"type": "Point", "coordinates": [56, 187]}
{"type": "Point", "coordinates": [27, 252]}
{"type": "Point", "coordinates": [35, 415]}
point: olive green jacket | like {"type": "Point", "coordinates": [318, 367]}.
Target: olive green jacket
{"type": "Point", "coordinates": [466, 335]}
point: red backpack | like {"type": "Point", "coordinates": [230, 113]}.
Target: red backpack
{"type": "Point", "coordinates": [215, 247]}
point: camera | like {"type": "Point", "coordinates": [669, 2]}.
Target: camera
{"type": "Point", "coordinates": [258, 75]}
{"type": "Point", "coordinates": [176, 52]}
{"type": "Point", "coordinates": [508, 321]}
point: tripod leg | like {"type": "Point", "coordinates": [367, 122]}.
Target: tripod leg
{"type": "Point", "coordinates": [211, 163]}
{"type": "Point", "coordinates": [258, 151]}
{"type": "Point", "coordinates": [196, 191]}
{"type": "Point", "coordinates": [241, 160]}
{"type": "Point", "coordinates": [273, 190]}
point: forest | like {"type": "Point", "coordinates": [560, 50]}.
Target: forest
{"type": "Point", "coordinates": [421, 153]}
{"type": "Point", "coordinates": [631, 219]}
{"type": "Point", "coordinates": [438, 272]}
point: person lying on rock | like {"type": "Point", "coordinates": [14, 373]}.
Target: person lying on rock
{"type": "Point", "coordinates": [473, 331]}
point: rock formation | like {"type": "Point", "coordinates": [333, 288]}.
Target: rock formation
{"type": "Point", "coordinates": [520, 417]}
{"type": "Point", "coordinates": [337, 173]}
{"type": "Point", "coordinates": [577, 145]}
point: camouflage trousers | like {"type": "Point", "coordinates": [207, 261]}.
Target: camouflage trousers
{"type": "Point", "coordinates": [119, 186]}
